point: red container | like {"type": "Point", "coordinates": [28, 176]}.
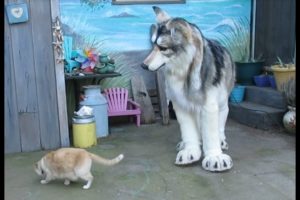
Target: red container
{"type": "Point", "coordinates": [88, 69]}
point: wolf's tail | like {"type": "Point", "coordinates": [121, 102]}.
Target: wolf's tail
{"type": "Point", "coordinates": [105, 161]}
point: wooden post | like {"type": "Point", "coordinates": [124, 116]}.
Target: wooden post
{"type": "Point", "coordinates": [60, 83]}
{"type": "Point", "coordinates": [141, 96]}
{"type": "Point", "coordinates": [161, 90]}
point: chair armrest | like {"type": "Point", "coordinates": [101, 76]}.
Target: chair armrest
{"type": "Point", "coordinates": [134, 103]}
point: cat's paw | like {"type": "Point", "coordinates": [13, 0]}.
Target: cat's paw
{"type": "Point", "coordinates": [87, 186]}
{"type": "Point", "coordinates": [67, 182]}
{"type": "Point", "coordinates": [44, 181]}
{"type": "Point", "coordinates": [219, 162]}
{"type": "Point", "coordinates": [189, 154]}
{"type": "Point", "coordinates": [224, 145]}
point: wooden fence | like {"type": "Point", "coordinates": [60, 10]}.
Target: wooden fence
{"type": "Point", "coordinates": [33, 120]}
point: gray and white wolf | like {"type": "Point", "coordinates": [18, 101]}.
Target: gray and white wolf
{"type": "Point", "coordinates": [199, 75]}
{"type": "Point", "coordinates": [70, 164]}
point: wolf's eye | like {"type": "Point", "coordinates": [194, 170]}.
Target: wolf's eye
{"type": "Point", "coordinates": [162, 48]}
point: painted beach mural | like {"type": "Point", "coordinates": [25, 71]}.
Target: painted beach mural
{"type": "Point", "coordinates": [126, 27]}
{"type": "Point", "coordinates": [122, 31]}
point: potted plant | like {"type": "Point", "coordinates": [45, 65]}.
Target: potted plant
{"type": "Point", "coordinates": [289, 118]}
{"type": "Point", "coordinates": [237, 41]}
{"type": "Point", "coordinates": [237, 94]}
{"type": "Point", "coordinates": [272, 81]}
{"type": "Point", "coordinates": [282, 73]}
{"type": "Point", "coordinates": [265, 80]}
{"type": "Point", "coordinates": [262, 80]}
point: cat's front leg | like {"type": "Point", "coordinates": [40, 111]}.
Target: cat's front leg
{"type": "Point", "coordinates": [46, 180]}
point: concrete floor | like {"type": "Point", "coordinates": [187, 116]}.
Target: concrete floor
{"type": "Point", "coordinates": [264, 168]}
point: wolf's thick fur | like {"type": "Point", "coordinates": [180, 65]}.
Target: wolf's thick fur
{"type": "Point", "coordinates": [70, 164]}
{"type": "Point", "coordinates": [199, 76]}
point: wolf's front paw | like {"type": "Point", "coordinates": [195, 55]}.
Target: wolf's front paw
{"type": "Point", "coordinates": [219, 162]}
{"type": "Point", "coordinates": [180, 146]}
{"type": "Point", "coordinates": [224, 145]}
{"type": "Point", "coordinates": [188, 155]}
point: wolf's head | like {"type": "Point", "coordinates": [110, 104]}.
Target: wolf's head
{"type": "Point", "coordinates": [170, 37]}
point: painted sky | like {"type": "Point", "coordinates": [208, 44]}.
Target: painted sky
{"type": "Point", "coordinates": [126, 27]}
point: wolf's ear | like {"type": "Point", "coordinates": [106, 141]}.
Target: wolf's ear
{"type": "Point", "coordinates": [180, 32]}
{"type": "Point", "coordinates": [153, 32]}
{"type": "Point", "coordinates": [161, 16]}
{"type": "Point", "coordinates": [176, 36]}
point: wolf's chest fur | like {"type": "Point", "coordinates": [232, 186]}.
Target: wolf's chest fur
{"type": "Point", "coordinates": [179, 93]}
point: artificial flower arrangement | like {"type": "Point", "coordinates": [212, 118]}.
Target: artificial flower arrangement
{"type": "Point", "coordinates": [92, 61]}
{"type": "Point", "coordinates": [88, 58]}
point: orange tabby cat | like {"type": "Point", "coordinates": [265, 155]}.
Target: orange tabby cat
{"type": "Point", "coordinates": [70, 164]}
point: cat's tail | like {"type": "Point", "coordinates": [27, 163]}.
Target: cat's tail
{"type": "Point", "coordinates": [105, 161]}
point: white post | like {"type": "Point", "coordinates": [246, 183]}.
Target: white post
{"type": "Point", "coordinates": [60, 79]}
{"type": "Point", "coordinates": [253, 29]}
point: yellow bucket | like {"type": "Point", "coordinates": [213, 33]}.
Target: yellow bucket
{"type": "Point", "coordinates": [84, 131]}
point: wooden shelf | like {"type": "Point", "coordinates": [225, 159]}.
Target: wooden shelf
{"type": "Point", "coordinates": [92, 75]}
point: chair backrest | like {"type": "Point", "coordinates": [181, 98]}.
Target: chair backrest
{"type": "Point", "coordinates": [68, 45]}
{"type": "Point", "coordinates": [116, 98]}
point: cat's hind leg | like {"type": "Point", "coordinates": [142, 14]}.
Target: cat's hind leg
{"type": "Point", "coordinates": [67, 182]}
{"type": "Point", "coordinates": [89, 178]}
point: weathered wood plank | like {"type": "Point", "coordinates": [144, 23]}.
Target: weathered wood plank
{"type": "Point", "coordinates": [275, 30]}
{"type": "Point", "coordinates": [45, 74]}
{"type": "Point", "coordinates": [156, 109]}
{"type": "Point", "coordinates": [24, 66]}
{"type": "Point", "coordinates": [141, 96]}
{"type": "Point", "coordinates": [152, 92]}
{"type": "Point", "coordinates": [60, 86]}
{"type": "Point", "coordinates": [163, 104]}
{"type": "Point", "coordinates": [11, 132]}
{"type": "Point", "coordinates": [30, 137]}
{"type": "Point", "coordinates": [154, 100]}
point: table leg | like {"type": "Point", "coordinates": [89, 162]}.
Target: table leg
{"type": "Point", "coordinates": [77, 95]}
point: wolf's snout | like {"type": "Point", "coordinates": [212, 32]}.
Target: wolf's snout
{"type": "Point", "coordinates": [144, 66]}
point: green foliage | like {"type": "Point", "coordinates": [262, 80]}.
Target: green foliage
{"type": "Point", "coordinates": [90, 43]}
{"type": "Point", "coordinates": [123, 66]}
{"type": "Point", "coordinates": [280, 63]}
{"type": "Point", "coordinates": [237, 40]}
